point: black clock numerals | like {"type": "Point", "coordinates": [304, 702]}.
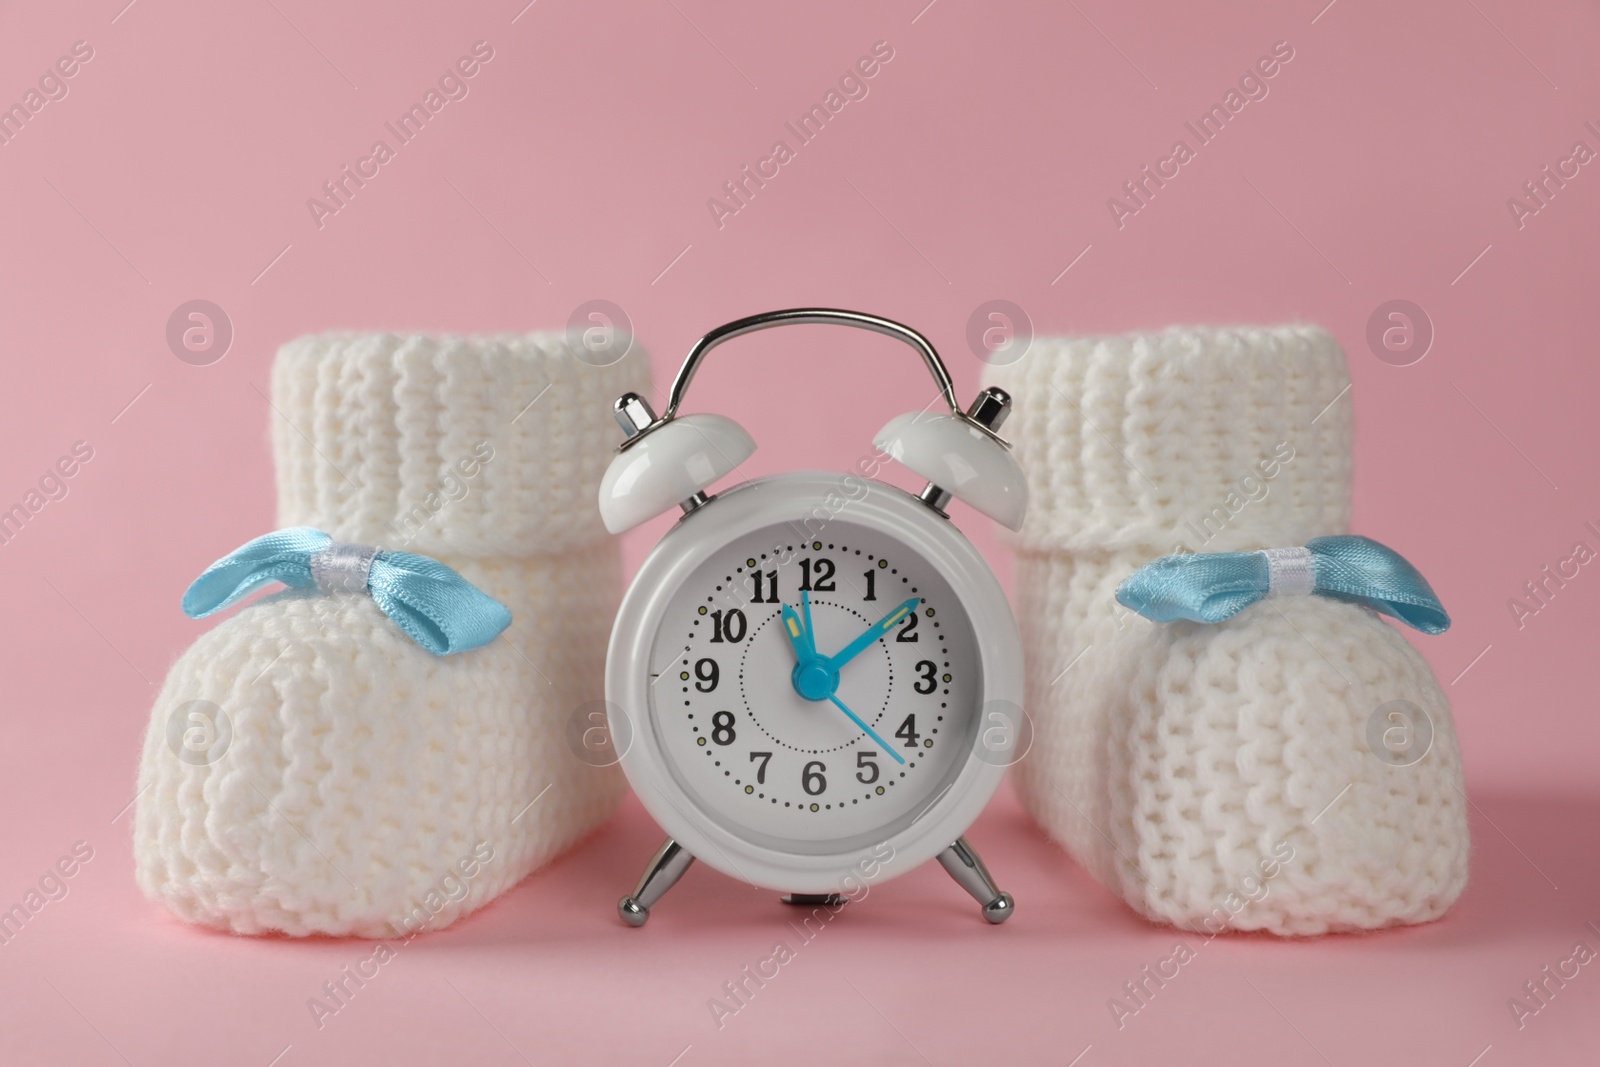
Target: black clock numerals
{"type": "Point", "coordinates": [717, 682]}
{"type": "Point", "coordinates": [729, 626]}
{"type": "Point", "coordinates": [706, 675]}
{"type": "Point", "coordinates": [908, 732]}
{"type": "Point", "coordinates": [908, 628]}
{"type": "Point", "coordinates": [764, 581]}
{"type": "Point", "coordinates": [822, 580]}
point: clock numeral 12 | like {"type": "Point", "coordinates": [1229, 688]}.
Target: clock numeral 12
{"type": "Point", "coordinates": [824, 576]}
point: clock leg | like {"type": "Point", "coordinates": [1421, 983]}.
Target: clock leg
{"type": "Point", "coordinates": [970, 874]}
{"type": "Point", "coordinates": [666, 867]}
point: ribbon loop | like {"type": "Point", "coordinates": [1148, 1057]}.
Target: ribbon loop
{"type": "Point", "coordinates": [435, 606]}
{"type": "Point", "coordinates": [1210, 587]}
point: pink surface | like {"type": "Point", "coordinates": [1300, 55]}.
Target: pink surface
{"type": "Point", "coordinates": [978, 165]}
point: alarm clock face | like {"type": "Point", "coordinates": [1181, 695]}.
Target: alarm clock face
{"type": "Point", "coordinates": [780, 776]}
{"type": "Point", "coordinates": [793, 771]}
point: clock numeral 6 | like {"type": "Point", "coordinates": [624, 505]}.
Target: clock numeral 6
{"type": "Point", "coordinates": [811, 779]}
{"type": "Point", "coordinates": [706, 675]}
{"type": "Point", "coordinates": [867, 761]}
{"type": "Point", "coordinates": [722, 728]}
{"type": "Point", "coordinates": [927, 672]}
{"type": "Point", "coordinates": [728, 626]}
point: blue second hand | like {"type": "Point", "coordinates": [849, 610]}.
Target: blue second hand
{"type": "Point", "coordinates": [805, 647]}
{"type": "Point", "coordinates": [870, 731]}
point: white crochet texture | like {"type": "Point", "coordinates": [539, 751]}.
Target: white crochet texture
{"type": "Point", "coordinates": [366, 779]}
{"type": "Point", "coordinates": [1181, 763]}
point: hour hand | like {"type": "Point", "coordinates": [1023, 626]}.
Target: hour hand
{"type": "Point", "coordinates": [799, 638]}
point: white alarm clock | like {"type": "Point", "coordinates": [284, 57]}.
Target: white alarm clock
{"type": "Point", "coordinates": [814, 682]}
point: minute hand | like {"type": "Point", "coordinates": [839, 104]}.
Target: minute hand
{"type": "Point", "coordinates": [875, 631]}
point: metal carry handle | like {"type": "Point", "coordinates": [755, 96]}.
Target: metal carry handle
{"type": "Point", "coordinates": [633, 413]}
{"type": "Point", "coordinates": [830, 316]}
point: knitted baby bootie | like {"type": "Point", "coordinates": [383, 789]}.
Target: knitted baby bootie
{"type": "Point", "coordinates": [1293, 768]}
{"type": "Point", "coordinates": [310, 767]}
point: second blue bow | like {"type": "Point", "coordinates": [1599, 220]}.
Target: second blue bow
{"type": "Point", "coordinates": [439, 609]}
{"type": "Point", "coordinates": [1210, 587]}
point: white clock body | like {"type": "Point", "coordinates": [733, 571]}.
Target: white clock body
{"type": "Point", "coordinates": [786, 792]}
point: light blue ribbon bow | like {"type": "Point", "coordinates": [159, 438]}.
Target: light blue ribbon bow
{"type": "Point", "coordinates": [1210, 587]}
{"type": "Point", "coordinates": [439, 609]}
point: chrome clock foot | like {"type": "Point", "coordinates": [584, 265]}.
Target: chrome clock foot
{"type": "Point", "coordinates": [970, 874]}
{"type": "Point", "coordinates": [666, 867]}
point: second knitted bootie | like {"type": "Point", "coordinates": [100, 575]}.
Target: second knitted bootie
{"type": "Point", "coordinates": [1293, 768]}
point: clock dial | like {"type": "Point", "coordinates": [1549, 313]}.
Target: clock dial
{"type": "Point", "coordinates": [833, 723]}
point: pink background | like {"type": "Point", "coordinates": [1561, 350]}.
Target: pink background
{"type": "Point", "coordinates": [978, 167]}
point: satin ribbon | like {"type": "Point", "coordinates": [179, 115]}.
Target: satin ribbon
{"type": "Point", "coordinates": [1210, 587]}
{"type": "Point", "coordinates": [435, 606]}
